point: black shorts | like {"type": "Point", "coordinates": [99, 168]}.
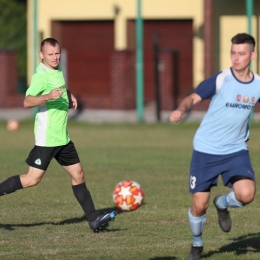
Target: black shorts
{"type": "Point", "coordinates": [40, 157]}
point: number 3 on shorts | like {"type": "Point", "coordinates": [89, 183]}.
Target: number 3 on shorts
{"type": "Point", "coordinates": [192, 182]}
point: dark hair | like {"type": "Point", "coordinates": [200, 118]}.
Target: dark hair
{"type": "Point", "coordinates": [241, 38]}
{"type": "Point", "coordinates": [51, 41]}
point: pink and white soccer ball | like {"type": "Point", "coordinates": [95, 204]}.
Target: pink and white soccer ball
{"type": "Point", "coordinates": [128, 195]}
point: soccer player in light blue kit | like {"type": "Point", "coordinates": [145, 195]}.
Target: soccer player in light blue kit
{"type": "Point", "coordinates": [220, 142]}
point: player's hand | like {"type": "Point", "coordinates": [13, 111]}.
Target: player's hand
{"type": "Point", "coordinates": [56, 93]}
{"type": "Point", "coordinates": [176, 116]}
{"type": "Point", "coordinates": [74, 102]}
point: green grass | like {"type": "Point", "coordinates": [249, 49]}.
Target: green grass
{"type": "Point", "coordinates": [46, 222]}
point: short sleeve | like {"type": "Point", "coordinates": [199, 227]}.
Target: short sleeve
{"type": "Point", "coordinates": [37, 86]}
{"type": "Point", "coordinates": [207, 88]}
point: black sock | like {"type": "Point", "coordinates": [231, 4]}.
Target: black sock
{"type": "Point", "coordinates": [83, 196]}
{"type": "Point", "coordinates": [10, 185]}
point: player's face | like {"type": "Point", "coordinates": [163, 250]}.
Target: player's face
{"type": "Point", "coordinates": [241, 56]}
{"type": "Point", "coordinates": [50, 55]}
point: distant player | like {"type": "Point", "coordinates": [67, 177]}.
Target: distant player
{"type": "Point", "coordinates": [48, 92]}
{"type": "Point", "coordinates": [220, 141]}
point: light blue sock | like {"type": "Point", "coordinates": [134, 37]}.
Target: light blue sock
{"type": "Point", "coordinates": [232, 202]}
{"type": "Point", "coordinates": [196, 225]}
{"type": "Point", "coordinates": [228, 200]}
{"type": "Point", "coordinates": [221, 202]}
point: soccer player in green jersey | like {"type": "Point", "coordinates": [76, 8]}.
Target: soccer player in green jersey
{"type": "Point", "coordinates": [49, 94]}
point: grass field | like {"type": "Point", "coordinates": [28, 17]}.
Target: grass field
{"type": "Point", "coordinates": [46, 222]}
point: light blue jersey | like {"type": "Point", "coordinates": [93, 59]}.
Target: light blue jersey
{"type": "Point", "coordinates": [225, 129]}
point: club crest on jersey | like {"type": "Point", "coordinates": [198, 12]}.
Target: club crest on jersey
{"type": "Point", "coordinates": [246, 99]}
{"type": "Point", "coordinates": [38, 161]}
{"type": "Point", "coordinates": [239, 98]}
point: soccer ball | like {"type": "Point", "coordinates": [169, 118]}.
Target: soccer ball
{"type": "Point", "coordinates": [128, 195]}
{"type": "Point", "coordinates": [12, 125]}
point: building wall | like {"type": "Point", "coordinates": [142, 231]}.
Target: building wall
{"type": "Point", "coordinates": [227, 31]}
{"type": "Point", "coordinates": [9, 96]}
{"type": "Point", "coordinates": [229, 19]}
{"type": "Point", "coordinates": [49, 10]}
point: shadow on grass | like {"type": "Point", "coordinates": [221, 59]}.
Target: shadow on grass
{"type": "Point", "coordinates": [11, 227]}
{"type": "Point", "coordinates": [163, 258]}
{"type": "Point", "coordinates": [239, 246]}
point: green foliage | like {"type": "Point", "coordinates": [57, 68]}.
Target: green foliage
{"type": "Point", "coordinates": [46, 222]}
{"type": "Point", "coordinates": [13, 30]}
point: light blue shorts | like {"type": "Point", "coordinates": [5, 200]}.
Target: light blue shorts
{"type": "Point", "coordinates": [205, 169]}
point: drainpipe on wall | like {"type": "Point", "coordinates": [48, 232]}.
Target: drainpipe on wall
{"type": "Point", "coordinates": [249, 13]}
{"type": "Point", "coordinates": [35, 34]}
{"type": "Point", "coordinates": [35, 43]}
{"type": "Point", "coordinates": [139, 63]}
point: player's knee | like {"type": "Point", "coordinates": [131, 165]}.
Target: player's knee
{"type": "Point", "coordinates": [245, 196]}
{"type": "Point", "coordinates": [199, 209]}
{"type": "Point", "coordinates": [79, 177]}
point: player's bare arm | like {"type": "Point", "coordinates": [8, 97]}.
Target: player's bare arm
{"type": "Point", "coordinates": [186, 104]}
{"type": "Point", "coordinates": [33, 101]}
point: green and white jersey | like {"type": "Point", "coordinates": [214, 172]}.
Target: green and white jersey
{"type": "Point", "coordinates": [50, 126]}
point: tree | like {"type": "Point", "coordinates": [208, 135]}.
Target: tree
{"type": "Point", "coordinates": [13, 29]}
